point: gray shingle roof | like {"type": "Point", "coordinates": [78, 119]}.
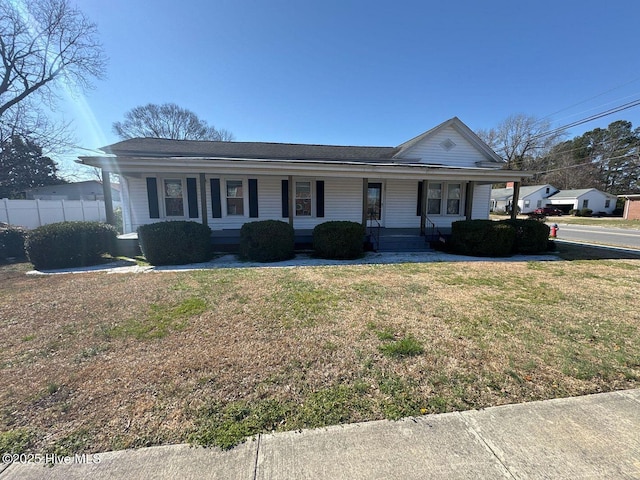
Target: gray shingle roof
{"type": "Point", "coordinates": [159, 147]}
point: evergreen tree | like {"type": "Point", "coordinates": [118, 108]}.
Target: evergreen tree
{"type": "Point", "coordinates": [22, 166]}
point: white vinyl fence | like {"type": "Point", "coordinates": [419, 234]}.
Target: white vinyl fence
{"type": "Point", "coordinates": [34, 213]}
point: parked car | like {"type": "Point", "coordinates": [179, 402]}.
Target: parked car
{"type": "Point", "coordinates": [548, 211]}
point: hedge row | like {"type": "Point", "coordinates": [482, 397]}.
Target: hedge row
{"type": "Point", "coordinates": [12, 242]}
{"type": "Point", "coordinates": [69, 244]}
{"type": "Point", "coordinates": [486, 238]}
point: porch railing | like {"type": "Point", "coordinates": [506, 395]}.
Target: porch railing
{"type": "Point", "coordinates": [432, 232]}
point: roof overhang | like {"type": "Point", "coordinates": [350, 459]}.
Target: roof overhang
{"type": "Point", "coordinates": [138, 166]}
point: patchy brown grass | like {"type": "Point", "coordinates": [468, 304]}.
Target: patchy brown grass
{"type": "Point", "coordinates": [94, 361]}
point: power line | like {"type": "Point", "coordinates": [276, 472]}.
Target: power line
{"type": "Point", "coordinates": [591, 98]}
{"type": "Point", "coordinates": [611, 111]}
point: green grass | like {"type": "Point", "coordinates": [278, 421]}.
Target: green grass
{"type": "Point", "coordinates": [405, 347]}
{"type": "Point", "coordinates": [160, 320]}
{"type": "Point", "coordinates": [224, 355]}
{"type": "Point", "coordinates": [15, 441]}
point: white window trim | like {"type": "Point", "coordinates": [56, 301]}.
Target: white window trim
{"type": "Point", "coordinates": [162, 197]}
{"type": "Point", "coordinates": [445, 197]}
{"type": "Point", "coordinates": [312, 183]}
{"type": "Point", "coordinates": [245, 196]}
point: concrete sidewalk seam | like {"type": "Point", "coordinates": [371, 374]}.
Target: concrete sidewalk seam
{"type": "Point", "coordinates": [3, 468]}
{"type": "Point", "coordinates": [255, 463]}
{"type": "Point", "coordinates": [487, 444]}
{"type": "Point", "coordinates": [626, 394]}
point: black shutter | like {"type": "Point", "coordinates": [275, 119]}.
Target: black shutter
{"type": "Point", "coordinates": [216, 207]}
{"type": "Point", "coordinates": [419, 207]}
{"type": "Point", "coordinates": [285, 198]}
{"type": "Point", "coordinates": [192, 197]}
{"type": "Point", "coordinates": [152, 197]}
{"type": "Point", "coordinates": [320, 198]}
{"type": "Point", "coordinates": [253, 198]}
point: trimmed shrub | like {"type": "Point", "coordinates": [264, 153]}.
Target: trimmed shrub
{"type": "Point", "coordinates": [482, 238]}
{"type": "Point", "coordinates": [575, 213]}
{"type": "Point", "coordinates": [338, 240]}
{"type": "Point", "coordinates": [586, 212]}
{"type": "Point", "coordinates": [12, 242]}
{"type": "Point", "coordinates": [69, 244]}
{"type": "Point", "coordinates": [266, 241]}
{"type": "Point", "coordinates": [175, 242]}
{"type": "Point", "coordinates": [531, 235]}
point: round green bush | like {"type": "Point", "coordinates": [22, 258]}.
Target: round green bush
{"type": "Point", "coordinates": [69, 244]}
{"type": "Point", "coordinates": [482, 238]}
{"type": "Point", "coordinates": [266, 241]}
{"type": "Point", "coordinates": [338, 240]}
{"type": "Point", "coordinates": [586, 212]}
{"type": "Point", "coordinates": [175, 242]}
{"type": "Point", "coordinates": [12, 242]}
{"type": "Point", "coordinates": [532, 235]}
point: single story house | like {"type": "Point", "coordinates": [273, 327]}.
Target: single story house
{"type": "Point", "coordinates": [530, 197]}
{"type": "Point", "coordinates": [590, 198]}
{"type": "Point", "coordinates": [431, 180]}
{"type": "Point", "coordinates": [631, 207]}
{"type": "Point", "coordinates": [88, 190]}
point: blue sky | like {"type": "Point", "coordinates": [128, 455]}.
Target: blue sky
{"type": "Point", "coordinates": [360, 72]}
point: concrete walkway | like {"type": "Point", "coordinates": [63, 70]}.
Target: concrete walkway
{"type": "Point", "coordinates": [595, 436]}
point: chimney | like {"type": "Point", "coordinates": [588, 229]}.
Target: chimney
{"type": "Point", "coordinates": [509, 184]}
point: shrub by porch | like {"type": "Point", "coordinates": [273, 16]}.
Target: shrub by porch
{"type": "Point", "coordinates": [266, 241]}
{"type": "Point", "coordinates": [69, 244]}
{"type": "Point", "coordinates": [175, 242]}
{"type": "Point", "coordinates": [339, 240]}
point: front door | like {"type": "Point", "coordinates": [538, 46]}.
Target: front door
{"type": "Point", "coordinates": [374, 204]}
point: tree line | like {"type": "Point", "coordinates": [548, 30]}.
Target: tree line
{"type": "Point", "coordinates": [604, 158]}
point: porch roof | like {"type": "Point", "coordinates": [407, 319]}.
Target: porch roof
{"type": "Point", "coordinates": [141, 165]}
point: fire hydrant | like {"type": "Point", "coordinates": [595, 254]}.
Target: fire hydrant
{"type": "Point", "coordinates": [554, 231]}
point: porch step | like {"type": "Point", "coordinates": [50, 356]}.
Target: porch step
{"type": "Point", "coordinates": [402, 243]}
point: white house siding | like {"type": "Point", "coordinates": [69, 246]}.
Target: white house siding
{"type": "Point", "coordinates": [400, 202]}
{"type": "Point", "coordinates": [431, 150]}
{"type": "Point", "coordinates": [481, 201]}
{"type": "Point", "coordinates": [596, 200]}
{"type": "Point", "coordinates": [139, 212]}
{"type": "Point", "coordinates": [343, 201]}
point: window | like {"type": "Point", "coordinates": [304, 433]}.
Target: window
{"type": "Point", "coordinates": [235, 198]}
{"type": "Point", "coordinates": [303, 199]}
{"type": "Point", "coordinates": [607, 203]}
{"type": "Point", "coordinates": [585, 204]}
{"type": "Point", "coordinates": [539, 204]}
{"type": "Point", "coordinates": [434, 198]}
{"type": "Point", "coordinates": [173, 201]}
{"type": "Point", "coordinates": [527, 203]}
{"type": "Point", "coordinates": [453, 199]}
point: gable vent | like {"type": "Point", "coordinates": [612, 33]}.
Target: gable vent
{"type": "Point", "coordinates": [447, 144]}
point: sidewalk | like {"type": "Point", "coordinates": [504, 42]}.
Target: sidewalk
{"type": "Point", "coordinates": [595, 436]}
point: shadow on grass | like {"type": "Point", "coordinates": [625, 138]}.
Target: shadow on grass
{"type": "Point", "coordinates": [575, 251]}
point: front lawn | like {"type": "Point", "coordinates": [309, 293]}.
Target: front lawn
{"type": "Point", "coordinates": [95, 361]}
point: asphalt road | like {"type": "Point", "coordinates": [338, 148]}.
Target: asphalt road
{"type": "Point", "coordinates": [601, 235]}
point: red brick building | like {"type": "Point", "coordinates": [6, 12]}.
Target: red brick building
{"type": "Point", "coordinates": [632, 207]}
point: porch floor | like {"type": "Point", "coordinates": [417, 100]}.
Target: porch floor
{"type": "Point", "coordinates": [385, 240]}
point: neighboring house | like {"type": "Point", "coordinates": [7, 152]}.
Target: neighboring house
{"type": "Point", "coordinates": [530, 197]}
{"type": "Point", "coordinates": [440, 176]}
{"type": "Point", "coordinates": [89, 190]}
{"type": "Point", "coordinates": [590, 198]}
{"type": "Point", "coordinates": [631, 207]}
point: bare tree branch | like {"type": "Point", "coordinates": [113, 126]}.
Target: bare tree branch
{"type": "Point", "coordinates": [168, 121]}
